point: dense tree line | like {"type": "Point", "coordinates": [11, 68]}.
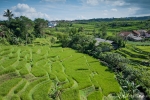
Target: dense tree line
{"type": "Point", "coordinates": [126, 76]}
{"type": "Point", "coordinates": [21, 30]}
{"type": "Point", "coordinates": [82, 42]}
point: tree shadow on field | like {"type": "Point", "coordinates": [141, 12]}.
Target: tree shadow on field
{"type": "Point", "coordinates": [93, 61]}
{"type": "Point", "coordinates": [109, 70]}
{"type": "Point", "coordinates": [56, 46]}
{"type": "Point", "coordinates": [106, 65]}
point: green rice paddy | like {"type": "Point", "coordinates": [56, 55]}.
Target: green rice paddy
{"type": "Point", "coordinates": [42, 72]}
{"type": "Point", "coordinates": [140, 62]}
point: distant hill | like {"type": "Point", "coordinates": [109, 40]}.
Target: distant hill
{"type": "Point", "coordinates": [142, 18]}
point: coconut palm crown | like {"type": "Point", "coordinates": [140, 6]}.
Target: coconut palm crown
{"type": "Point", "coordinates": [8, 14]}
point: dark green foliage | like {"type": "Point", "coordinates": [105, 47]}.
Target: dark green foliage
{"type": "Point", "coordinates": [115, 60]}
{"type": "Point", "coordinates": [40, 24]}
{"type": "Point", "coordinates": [53, 40]}
{"type": "Point", "coordinates": [81, 29]}
{"type": "Point", "coordinates": [105, 46]}
{"type": "Point", "coordinates": [64, 39]}
{"type": "Point", "coordinates": [3, 41]}
{"type": "Point", "coordinates": [19, 30]}
{"type": "Point", "coordinates": [73, 31]}
{"type": "Point", "coordinates": [22, 30]}
{"type": "Point", "coordinates": [103, 31]}
{"type": "Point", "coordinates": [82, 42]}
{"type": "Point", "coordinates": [102, 47]}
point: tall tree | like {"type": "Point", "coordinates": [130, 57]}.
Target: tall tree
{"type": "Point", "coordinates": [40, 25]}
{"type": "Point", "coordinates": [22, 28]}
{"type": "Point", "coordinates": [8, 14]}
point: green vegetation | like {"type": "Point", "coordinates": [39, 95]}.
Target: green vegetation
{"type": "Point", "coordinates": [95, 96]}
{"type": "Point", "coordinates": [128, 59]}
{"type": "Point", "coordinates": [41, 91]}
{"type": "Point", "coordinates": [139, 55]}
{"type": "Point", "coordinates": [20, 87]}
{"type": "Point", "coordinates": [6, 86]}
{"type": "Point", "coordinates": [63, 74]}
{"type": "Point", "coordinates": [44, 67]}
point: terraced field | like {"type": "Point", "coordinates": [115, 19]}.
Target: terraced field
{"type": "Point", "coordinates": [138, 54]}
{"type": "Point", "coordinates": [51, 73]}
{"type": "Point", "coordinates": [140, 63]}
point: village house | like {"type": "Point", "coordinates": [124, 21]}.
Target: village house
{"type": "Point", "coordinates": [147, 34]}
{"type": "Point", "coordinates": [124, 34]}
{"type": "Point", "coordinates": [133, 36]}
{"type": "Point", "coordinates": [99, 40]}
{"type": "Point", "coordinates": [144, 34]}
{"type": "Point", "coordinates": [136, 33]}
{"type": "Point", "coordinates": [52, 24]}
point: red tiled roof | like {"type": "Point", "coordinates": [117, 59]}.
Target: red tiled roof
{"type": "Point", "coordinates": [136, 32]}
{"type": "Point", "coordinates": [124, 33]}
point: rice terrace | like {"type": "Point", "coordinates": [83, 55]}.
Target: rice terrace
{"type": "Point", "coordinates": [47, 73]}
{"type": "Point", "coordinates": [74, 50]}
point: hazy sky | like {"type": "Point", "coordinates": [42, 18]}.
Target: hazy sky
{"type": "Point", "coordinates": [75, 9]}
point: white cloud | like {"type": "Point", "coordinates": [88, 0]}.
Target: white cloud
{"type": "Point", "coordinates": [54, 0]}
{"type": "Point", "coordinates": [92, 2]}
{"type": "Point", "coordinates": [81, 17]}
{"type": "Point", "coordinates": [2, 18]}
{"type": "Point", "coordinates": [105, 11]}
{"type": "Point", "coordinates": [25, 10]}
{"type": "Point", "coordinates": [133, 10]}
{"type": "Point", "coordinates": [105, 14]}
{"type": "Point", "coordinates": [114, 10]}
{"type": "Point", "coordinates": [119, 3]}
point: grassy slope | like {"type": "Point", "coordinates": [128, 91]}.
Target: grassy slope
{"type": "Point", "coordinates": [30, 71]}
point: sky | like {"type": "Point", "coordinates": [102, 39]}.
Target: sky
{"type": "Point", "coordinates": [75, 9]}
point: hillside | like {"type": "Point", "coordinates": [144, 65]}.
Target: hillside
{"type": "Point", "coordinates": [41, 72]}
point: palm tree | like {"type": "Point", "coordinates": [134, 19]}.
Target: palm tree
{"type": "Point", "coordinates": [8, 14]}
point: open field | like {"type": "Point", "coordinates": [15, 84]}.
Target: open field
{"type": "Point", "coordinates": [47, 73]}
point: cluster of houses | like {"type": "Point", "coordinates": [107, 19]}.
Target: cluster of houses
{"type": "Point", "coordinates": [52, 24]}
{"type": "Point", "coordinates": [135, 35]}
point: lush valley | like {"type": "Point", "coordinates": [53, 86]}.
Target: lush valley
{"type": "Point", "coordinates": [44, 72]}
{"type": "Point", "coordinates": [39, 62]}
